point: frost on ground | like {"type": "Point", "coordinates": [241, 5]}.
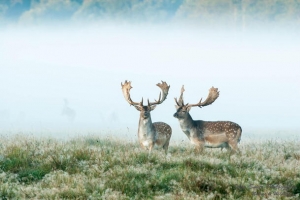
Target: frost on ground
{"type": "Point", "coordinates": [92, 167]}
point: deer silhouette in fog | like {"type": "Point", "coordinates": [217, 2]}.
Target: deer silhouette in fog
{"type": "Point", "coordinates": [212, 134]}
{"type": "Point", "coordinates": [68, 112]}
{"type": "Point", "coordinates": [150, 134]}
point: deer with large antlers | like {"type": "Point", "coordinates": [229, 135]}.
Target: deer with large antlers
{"type": "Point", "coordinates": [213, 134]}
{"type": "Point", "coordinates": [150, 134]}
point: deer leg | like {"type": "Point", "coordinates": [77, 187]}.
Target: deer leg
{"type": "Point", "coordinates": [233, 143]}
{"type": "Point", "coordinates": [199, 147]}
{"type": "Point", "coordinates": [228, 148]}
{"type": "Point", "coordinates": [197, 150]}
{"type": "Point", "coordinates": [143, 147]}
{"type": "Point", "coordinates": [166, 146]}
{"type": "Point", "coordinates": [233, 147]}
{"type": "Point", "coordinates": [150, 147]}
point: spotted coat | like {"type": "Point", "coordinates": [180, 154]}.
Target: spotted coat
{"type": "Point", "coordinates": [211, 134]}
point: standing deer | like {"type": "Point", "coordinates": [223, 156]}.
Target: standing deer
{"type": "Point", "coordinates": [213, 134]}
{"type": "Point", "coordinates": [150, 134]}
{"type": "Point", "coordinates": [67, 111]}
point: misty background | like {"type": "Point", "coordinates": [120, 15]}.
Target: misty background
{"type": "Point", "coordinates": [62, 63]}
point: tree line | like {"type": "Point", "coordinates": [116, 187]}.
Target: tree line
{"type": "Point", "coordinates": [239, 13]}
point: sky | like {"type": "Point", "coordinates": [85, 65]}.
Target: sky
{"type": "Point", "coordinates": [58, 75]}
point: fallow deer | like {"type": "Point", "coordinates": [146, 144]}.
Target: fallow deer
{"type": "Point", "coordinates": [150, 134]}
{"type": "Point", "coordinates": [67, 111]}
{"type": "Point", "coordinates": [213, 134]}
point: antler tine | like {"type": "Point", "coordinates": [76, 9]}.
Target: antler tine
{"type": "Point", "coordinates": [158, 97]}
{"type": "Point", "coordinates": [192, 105]}
{"type": "Point", "coordinates": [141, 103]}
{"type": "Point", "coordinates": [162, 96]}
{"type": "Point", "coordinates": [180, 101]}
{"type": "Point", "coordinates": [177, 102]}
{"type": "Point", "coordinates": [212, 96]}
{"type": "Point", "coordinates": [181, 95]}
{"type": "Point", "coordinates": [126, 92]}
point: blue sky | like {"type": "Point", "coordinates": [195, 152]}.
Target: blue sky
{"type": "Point", "coordinates": [41, 64]}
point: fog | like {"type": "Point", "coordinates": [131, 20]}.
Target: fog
{"type": "Point", "coordinates": [69, 78]}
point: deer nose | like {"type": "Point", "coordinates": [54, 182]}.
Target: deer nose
{"type": "Point", "coordinates": [175, 115]}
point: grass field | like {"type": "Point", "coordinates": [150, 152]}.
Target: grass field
{"type": "Point", "coordinates": [91, 167]}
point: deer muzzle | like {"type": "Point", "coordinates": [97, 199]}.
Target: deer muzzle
{"type": "Point", "coordinates": [175, 115]}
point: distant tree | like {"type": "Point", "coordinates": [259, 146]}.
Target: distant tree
{"type": "Point", "coordinates": [237, 13]}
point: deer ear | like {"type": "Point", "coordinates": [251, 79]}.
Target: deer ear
{"type": "Point", "coordinates": [138, 108]}
{"type": "Point", "coordinates": [152, 107]}
{"type": "Point", "coordinates": [188, 109]}
{"type": "Point", "coordinates": [176, 107]}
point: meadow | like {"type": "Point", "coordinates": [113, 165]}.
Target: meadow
{"type": "Point", "coordinates": [93, 167]}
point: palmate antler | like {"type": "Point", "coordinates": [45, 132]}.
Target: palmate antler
{"type": "Point", "coordinates": [165, 89]}
{"type": "Point", "coordinates": [212, 96]}
{"type": "Point", "coordinates": [126, 92]}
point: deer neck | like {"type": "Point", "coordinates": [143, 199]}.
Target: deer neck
{"type": "Point", "coordinates": [186, 124]}
{"type": "Point", "coordinates": [146, 127]}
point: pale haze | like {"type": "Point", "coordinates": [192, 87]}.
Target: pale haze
{"type": "Point", "coordinates": [257, 75]}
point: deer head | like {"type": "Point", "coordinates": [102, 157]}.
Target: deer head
{"type": "Point", "coordinates": [183, 109]}
{"type": "Point", "coordinates": [145, 110]}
